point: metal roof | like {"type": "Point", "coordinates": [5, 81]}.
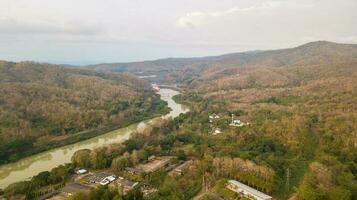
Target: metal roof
{"type": "Point", "coordinates": [250, 189]}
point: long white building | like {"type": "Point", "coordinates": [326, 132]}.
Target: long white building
{"type": "Point", "coordinates": [247, 191]}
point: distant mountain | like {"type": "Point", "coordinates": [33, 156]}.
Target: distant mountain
{"type": "Point", "coordinates": [42, 104]}
{"type": "Point", "coordinates": [181, 70]}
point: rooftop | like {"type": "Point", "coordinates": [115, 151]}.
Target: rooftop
{"type": "Point", "coordinates": [249, 189]}
{"type": "Point", "coordinates": [155, 165]}
{"type": "Point", "coordinates": [98, 177]}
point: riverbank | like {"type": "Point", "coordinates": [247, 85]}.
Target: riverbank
{"type": "Point", "coordinates": [158, 110]}
{"type": "Point", "coordinates": [32, 165]}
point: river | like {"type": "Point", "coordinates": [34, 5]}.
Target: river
{"type": "Point", "coordinates": [45, 161]}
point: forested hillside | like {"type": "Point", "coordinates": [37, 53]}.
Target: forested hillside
{"type": "Point", "coordinates": [287, 67]}
{"type": "Point", "coordinates": [301, 104]}
{"type": "Point", "coordinates": [302, 107]}
{"type": "Point", "coordinates": [43, 105]}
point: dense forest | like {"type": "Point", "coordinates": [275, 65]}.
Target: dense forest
{"type": "Point", "coordinates": [42, 105]}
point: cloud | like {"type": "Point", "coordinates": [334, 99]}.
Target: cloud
{"type": "Point", "coordinates": [134, 30]}
{"type": "Point", "coordinates": [23, 26]}
{"type": "Point", "coordinates": [196, 19]}
{"type": "Point", "coordinates": [37, 17]}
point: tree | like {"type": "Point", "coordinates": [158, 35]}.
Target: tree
{"type": "Point", "coordinates": [59, 174]}
{"type": "Point", "coordinates": [99, 158]}
{"type": "Point", "coordinates": [120, 163]}
{"type": "Point", "coordinates": [134, 194]}
{"type": "Point", "coordinates": [81, 158]}
{"type": "Point", "coordinates": [41, 179]}
{"type": "Point", "coordinates": [79, 196]}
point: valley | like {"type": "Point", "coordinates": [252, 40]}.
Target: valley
{"type": "Point", "coordinates": [279, 122]}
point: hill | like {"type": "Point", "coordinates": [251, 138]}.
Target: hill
{"type": "Point", "coordinates": [311, 61]}
{"type": "Point", "coordinates": [44, 105]}
{"type": "Point", "coordinates": [300, 102]}
{"type": "Point", "coordinates": [301, 99]}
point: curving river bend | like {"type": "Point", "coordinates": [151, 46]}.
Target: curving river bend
{"type": "Point", "coordinates": [32, 165]}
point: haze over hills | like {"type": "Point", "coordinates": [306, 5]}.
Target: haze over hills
{"type": "Point", "coordinates": [180, 70]}
{"type": "Point", "coordinates": [43, 105]}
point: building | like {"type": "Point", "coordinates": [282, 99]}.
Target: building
{"type": "Point", "coordinates": [246, 191]}
{"type": "Point", "coordinates": [155, 87]}
{"type": "Point", "coordinates": [126, 184]}
{"type": "Point", "coordinates": [214, 116]}
{"type": "Point", "coordinates": [81, 171]}
{"type": "Point", "coordinates": [155, 164]}
{"type": "Point", "coordinates": [134, 171]}
{"type": "Point", "coordinates": [107, 180]}
{"type": "Point", "coordinates": [217, 131]}
{"type": "Point", "coordinates": [237, 122]}
{"type": "Point", "coordinates": [102, 178]}
{"type": "Point", "coordinates": [179, 170]}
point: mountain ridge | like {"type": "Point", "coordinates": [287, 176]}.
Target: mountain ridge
{"type": "Point", "coordinates": [307, 54]}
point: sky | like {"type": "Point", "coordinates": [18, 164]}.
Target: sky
{"type": "Point", "coordinates": [94, 31]}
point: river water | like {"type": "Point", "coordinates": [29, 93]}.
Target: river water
{"type": "Point", "coordinates": [45, 161]}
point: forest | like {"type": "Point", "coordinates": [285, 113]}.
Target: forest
{"type": "Point", "coordinates": [284, 154]}
{"type": "Point", "coordinates": [43, 106]}
{"type": "Point", "coordinates": [298, 140]}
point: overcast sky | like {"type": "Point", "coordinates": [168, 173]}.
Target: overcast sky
{"type": "Point", "coordinates": [91, 31]}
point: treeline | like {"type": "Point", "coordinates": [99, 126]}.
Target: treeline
{"type": "Point", "coordinates": [41, 102]}
{"type": "Point", "coordinates": [247, 171]}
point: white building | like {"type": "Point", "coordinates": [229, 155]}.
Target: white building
{"type": "Point", "coordinates": [107, 180]}
{"type": "Point", "coordinates": [247, 191]}
{"type": "Point", "coordinates": [214, 116]}
{"type": "Point", "coordinates": [217, 131]}
{"type": "Point", "coordinates": [237, 122]}
{"type": "Point", "coordinates": [81, 171]}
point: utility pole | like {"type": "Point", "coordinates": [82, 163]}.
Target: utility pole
{"type": "Point", "coordinates": [288, 178]}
